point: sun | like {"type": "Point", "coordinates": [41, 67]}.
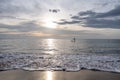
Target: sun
{"type": "Point", "coordinates": [49, 23]}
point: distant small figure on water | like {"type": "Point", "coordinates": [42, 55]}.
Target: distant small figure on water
{"type": "Point", "coordinates": [74, 39]}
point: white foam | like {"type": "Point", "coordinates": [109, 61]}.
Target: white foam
{"type": "Point", "coordinates": [60, 62]}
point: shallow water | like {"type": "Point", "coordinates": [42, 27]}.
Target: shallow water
{"type": "Point", "coordinates": [60, 54]}
{"type": "Point", "coordinates": [60, 46]}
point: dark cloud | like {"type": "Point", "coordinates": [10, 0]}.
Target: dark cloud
{"type": "Point", "coordinates": [96, 23]}
{"type": "Point", "coordinates": [63, 20]}
{"type": "Point", "coordinates": [96, 20]}
{"type": "Point", "coordinates": [75, 17]}
{"type": "Point", "coordinates": [68, 22]}
{"type": "Point", "coordinates": [54, 10]}
{"type": "Point", "coordinates": [87, 13]}
{"type": "Point", "coordinates": [112, 13]}
{"type": "Point", "coordinates": [105, 4]}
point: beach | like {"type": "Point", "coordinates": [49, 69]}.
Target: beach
{"type": "Point", "coordinates": [59, 39]}
{"type": "Point", "coordinates": [58, 75]}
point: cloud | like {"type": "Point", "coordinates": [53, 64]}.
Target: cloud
{"type": "Point", "coordinates": [114, 12]}
{"type": "Point", "coordinates": [96, 23]}
{"type": "Point", "coordinates": [10, 7]}
{"type": "Point", "coordinates": [75, 17]}
{"type": "Point", "coordinates": [31, 26]}
{"type": "Point", "coordinates": [54, 10]}
{"type": "Point", "coordinates": [87, 13]}
{"type": "Point", "coordinates": [68, 22]}
{"type": "Point", "coordinates": [12, 17]}
{"type": "Point", "coordinates": [110, 19]}
{"type": "Point", "coordinates": [23, 27]}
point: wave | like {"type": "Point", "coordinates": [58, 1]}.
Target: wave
{"type": "Point", "coordinates": [71, 62]}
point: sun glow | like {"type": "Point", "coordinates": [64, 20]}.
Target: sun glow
{"type": "Point", "coordinates": [49, 23]}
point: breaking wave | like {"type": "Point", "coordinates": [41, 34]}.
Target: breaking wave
{"type": "Point", "coordinates": [71, 62]}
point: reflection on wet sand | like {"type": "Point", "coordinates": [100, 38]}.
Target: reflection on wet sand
{"type": "Point", "coordinates": [58, 75]}
{"type": "Point", "coordinates": [49, 75]}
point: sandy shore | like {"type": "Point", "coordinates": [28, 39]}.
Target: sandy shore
{"type": "Point", "coordinates": [58, 75]}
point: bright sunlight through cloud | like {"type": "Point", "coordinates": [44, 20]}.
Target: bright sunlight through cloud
{"type": "Point", "coordinates": [49, 23]}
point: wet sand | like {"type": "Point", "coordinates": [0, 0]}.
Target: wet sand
{"type": "Point", "coordinates": [58, 75]}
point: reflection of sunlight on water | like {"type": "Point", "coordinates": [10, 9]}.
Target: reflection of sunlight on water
{"type": "Point", "coordinates": [50, 45]}
{"type": "Point", "coordinates": [49, 75]}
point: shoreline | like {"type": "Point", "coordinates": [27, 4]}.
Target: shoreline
{"type": "Point", "coordinates": [83, 69]}
{"type": "Point", "coordinates": [58, 75]}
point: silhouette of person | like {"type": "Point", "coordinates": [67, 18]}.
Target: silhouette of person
{"type": "Point", "coordinates": [74, 39]}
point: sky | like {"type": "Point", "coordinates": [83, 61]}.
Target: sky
{"type": "Point", "coordinates": [85, 19]}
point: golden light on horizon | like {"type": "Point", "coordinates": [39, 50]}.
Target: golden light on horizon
{"type": "Point", "coordinates": [39, 34]}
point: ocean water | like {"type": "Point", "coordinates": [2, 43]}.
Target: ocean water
{"type": "Point", "coordinates": [60, 54]}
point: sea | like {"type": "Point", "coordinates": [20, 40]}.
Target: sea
{"type": "Point", "coordinates": [34, 54]}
